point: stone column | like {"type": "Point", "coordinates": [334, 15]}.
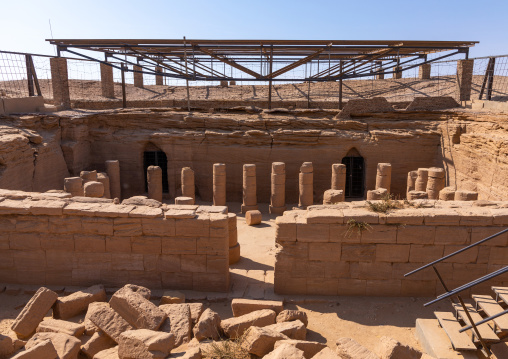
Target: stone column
{"type": "Point", "coordinates": [278, 190]}
{"type": "Point", "coordinates": [436, 182]}
{"type": "Point", "coordinates": [154, 179]}
{"type": "Point", "coordinates": [411, 179]}
{"type": "Point", "coordinates": [447, 194]}
{"type": "Point", "coordinates": [421, 180]}
{"type": "Point", "coordinates": [306, 179]}
{"type": "Point", "coordinates": [88, 176]}
{"type": "Point", "coordinates": [424, 72]}
{"type": "Point", "coordinates": [138, 76]}
{"type": "Point", "coordinates": [234, 246]}
{"type": "Point", "coordinates": [107, 84]}
{"type": "Point", "coordinates": [159, 79]}
{"type": "Point", "coordinates": [380, 66]}
{"type": "Point", "coordinates": [188, 188]}
{"type": "Point", "coordinates": [104, 179]}
{"type": "Point", "coordinates": [384, 176]}
{"type": "Point", "coordinates": [464, 79]}
{"type": "Point", "coordinates": [74, 186]}
{"type": "Point", "coordinates": [250, 201]}
{"type": "Point", "coordinates": [60, 81]}
{"type": "Point", "coordinates": [219, 184]}
{"type": "Point", "coordinates": [398, 72]}
{"type": "Point", "coordinates": [338, 176]}
{"type": "Point", "coordinates": [113, 171]}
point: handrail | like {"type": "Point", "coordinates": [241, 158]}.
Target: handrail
{"type": "Point", "coordinates": [456, 252]}
{"type": "Point", "coordinates": [484, 320]}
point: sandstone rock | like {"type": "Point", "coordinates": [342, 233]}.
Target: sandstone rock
{"type": "Point", "coordinates": [77, 303]}
{"type": "Point", "coordinates": [466, 196]}
{"type": "Point", "coordinates": [6, 346]}
{"type": "Point", "coordinates": [196, 310]}
{"type": "Point", "coordinates": [208, 326]}
{"type": "Point", "coordinates": [33, 313]}
{"type": "Point", "coordinates": [61, 326]}
{"type": "Point", "coordinates": [309, 348]}
{"type": "Point", "coordinates": [184, 200]}
{"type": "Point", "coordinates": [253, 217]}
{"type": "Point", "coordinates": [260, 341]}
{"type": "Point", "coordinates": [109, 321]}
{"type": "Point", "coordinates": [294, 330]}
{"type": "Point", "coordinates": [88, 176]}
{"type": "Point", "coordinates": [90, 327]}
{"type": "Point", "coordinates": [191, 353]}
{"type": "Point", "coordinates": [235, 327]}
{"type": "Point", "coordinates": [136, 310]}
{"type": "Point", "coordinates": [377, 194]}
{"type": "Point", "coordinates": [290, 315]}
{"type": "Point", "coordinates": [67, 346]}
{"type": "Point", "coordinates": [178, 323]}
{"type": "Point", "coordinates": [412, 195]}
{"type": "Point", "coordinates": [242, 306]}
{"type": "Point", "coordinates": [103, 178]}
{"type": "Point", "coordinates": [111, 353]}
{"type": "Point", "coordinates": [326, 353]}
{"type": "Point", "coordinates": [143, 291]}
{"type": "Point", "coordinates": [332, 196]}
{"type": "Point", "coordinates": [172, 297]}
{"type": "Point", "coordinates": [348, 348]}
{"type": "Point", "coordinates": [389, 348]}
{"type": "Point", "coordinates": [98, 342]}
{"type": "Point", "coordinates": [142, 201]}
{"type": "Point", "coordinates": [145, 344]}
{"type": "Point", "coordinates": [285, 351]}
{"type": "Point", "coordinates": [93, 189]}
{"type": "Point", "coordinates": [43, 350]}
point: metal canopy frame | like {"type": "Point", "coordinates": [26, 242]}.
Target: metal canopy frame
{"type": "Point", "coordinates": [193, 59]}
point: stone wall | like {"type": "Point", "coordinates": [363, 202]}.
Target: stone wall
{"type": "Point", "coordinates": [320, 253]}
{"type": "Point", "coordinates": [48, 239]}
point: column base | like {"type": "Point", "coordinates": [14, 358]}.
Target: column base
{"type": "Point", "coordinates": [249, 208]}
{"type": "Point", "coordinates": [277, 210]}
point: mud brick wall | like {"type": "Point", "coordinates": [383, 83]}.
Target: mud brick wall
{"type": "Point", "coordinates": [317, 255]}
{"type": "Point", "coordinates": [58, 241]}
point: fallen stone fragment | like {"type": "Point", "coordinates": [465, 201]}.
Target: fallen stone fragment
{"type": "Point", "coordinates": [43, 350]}
{"type": "Point", "coordinates": [191, 353]}
{"type": "Point", "coordinates": [145, 344]}
{"type": "Point", "coordinates": [294, 330]}
{"type": "Point", "coordinates": [33, 313]}
{"type": "Point", "coordinates": [285, 351]}
{"type": "Point", "coordinates": [172, 297]}
{"type": "Point", "coordinates": [143, 291]}
{"type": "Point", "coordinates": [67, 346]}
{"type": "Point", "coordinates": [77, 303]}
{"type": "Point", "coordinates": [136, 310]}
{"type": "Point", "coordinates": [196, 310]}
{"type": "Point", "coordinates": [236, 326]}
{"type": "Point", "coordinates": [97, 343]}
{"type": "Point", "coordinates": [90, 327]}
{"type": "Point", "coordinates": [245, 306]}
{"type": "Point", "coordinates": [61, 326]}
{"type": "Point", "coordinates": [326, 353]}
{"type": "Point", "coordinates": [261, 341]}
{"type": "Point", "coordinates": [389, 348]}
{"type": "Point", "coordinates": [178, 323]}
{"type": "Point", "coordinates": [111, 353]}
{"type": "Point", "coordinates": [208, 326]}
{"type": "Point", "coordinates": [309, 348]}
{"type": "Point", "coordinates": [109, 321]}
{"type": "Point", "coordinates": [6, 346]}
{"type": "Point", "coordinates": [290, 315]}
{"type": "Point", "coordinates": [348, 348]}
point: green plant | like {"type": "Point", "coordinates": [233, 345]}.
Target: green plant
{"type": "Point", "coordinates": [387, 203]}
{"type": "Point", "coordinates": [358, 227]}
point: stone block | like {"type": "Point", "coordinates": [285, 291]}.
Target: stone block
{"type": "Point", "coordinates": [33, 312]}
{"type": "Point", "coordinates": [93, 189]}
{"type": "Point", "coordinates": [98, 342]}
{"type": "Point", "coordinates": [480, 233]}
{"type": "Point", "coordinates": [172, 297]}
{"type": "Point", "coordinates": [208, 326]}
{"type": "Point", "coordinates": [326, 353]}
{"type": "Point", "coordinates": [380, 234]}
{"type": "Point", "coordinates": [107, 320]}
{"type": "Point", "coordinates": [313, 232]}
{"type": "Point", "coordinates": [389, 348]}
{"type": "Point", "coordinates": [178, 323]}
{"type": "Point", "coordinates": [383, 287]}
{"type": "Point", "coordinates": [333, 196]}
{"type": "Point", "coordinates": [146, 245]}
{"type": "Point", "coordinates": [348, 348]}
{"type": "Point", "coordinates": [43, 349]}
{"type": "Point", "coordinates": [101, 226]}
{"type": "Point", "coordinates": [309, 348]}
{"type": "Point", "coordinates": [358, 252]}
{"type": "Point", "coordinates": [406, 216]}
{"type": "Point", "coordinates": [236, 326]}
{"type": "Point", "coordinates": [360, 215]}
{"type": "Point", "coordinates": [196, 227]}
{"type": "Point", "coordinates": [416, 234]}
{"type": "Point", "coordinates": [325, 216]}
{"type": "Point", "coordinates": [127, 227]}
{"type": "Point", "coordinates": [118, 244]}
{"type": "Point", "coordinates": [285, 351]}
{"type": "Point", "coordinates": [67, 225]}
{"type": "Point", "coordinates": [144, 343]}
{"type": "Point", "coordinates": [111, 353]}
{"type": "Point", "coordinates": [392, 253]}
{"type": "Point", "coordinates": [498, 255]}
{"type": "Point", "coordinates": [418, 288]}
{"type": "Point", "coordinates": [24, 241]}
{"type": "Point", "coordinates": [245, 306]}
{"type": "Point", "coordinates": [179, 245]}
{"type": "Point", "coordinates": [330, 252]}
{"type": "Point", "coordinates": [322, 286]}
{"type": "Point", "coordinates": [371, 270]}
{"type": "Point", "coordinates": [137, 310]}
{"type": "Point", "coordinates": [194, 263]}
{"type": "Point", "coordinates": [61, 326]}
{"type": "Point", "coordinates": [67, 346]}
{"type": "Point", "coordinates": [425, 253]}
{"type": "Point", "coordinates": [292, 329]}
{"type": "Point", "coordinates": [89, 244]}
{"type": "Point", "coordinates": [47, 208]}
{"type": "Point", "coordinates": [452, 235]}
{"type": "Point", "coordinates": [77, 303]}
{"type": "Point", "coordinates": [350, 286]}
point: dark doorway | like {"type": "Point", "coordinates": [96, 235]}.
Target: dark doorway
{"type": "Point", "coordinates": [355, 174]}
{"type": "Point", "coordinates": [156, 158]}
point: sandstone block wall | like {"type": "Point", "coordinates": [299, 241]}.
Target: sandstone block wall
{"type": "Point", "coordinates": [49, 240]}
{"type": "Point", "coordinates": [319, 253]}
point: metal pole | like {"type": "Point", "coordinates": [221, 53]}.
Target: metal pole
{"type": "Point", "coordinates": [186, 73]}
{"type": "Point", "coordinates": [124, 96]}
{"type": "Point", "coordinates": [340, 87]}
{"type": "Point", "coordinates": [270, 82]}
{"type": "Point", "coordinates": [29, 76]}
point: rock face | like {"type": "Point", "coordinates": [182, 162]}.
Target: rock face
{"type": "Point", "coordinates": [208, 326]}
{"type": "Point", "coordinates": [77, 303]}
{"type": "Point", "coordinates": [66, 346]}
{"type": "Point", "coordinates": [178, 323]}
{"type": "Point", "coordinates": [260, 341]}
{"type": "Point", "coordinates": [33, 313]}
{"type": "Point", "coordinates": [145, 344]}
{"type": "Point", "coordinates": [136, 310]}
{"type": "Point", "coordinates": [348, 348]}
{"type": "Point", "coordinates": [235, 327]}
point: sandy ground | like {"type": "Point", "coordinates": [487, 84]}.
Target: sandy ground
{"type": "Point", "coordinates": [366, 319]}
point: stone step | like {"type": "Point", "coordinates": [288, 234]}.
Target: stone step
{"type": "Point", "coordinates": [485, 330]}
{"type": "Point", "coordinates": [501, 293]}
{"type": "Point", "coordinates": [460, 341]}
{"type": "Point", "coordinates": [435, 342]}
{"type": "Point", "coordinates": [499, 351]}
{"type": "Point", "coordinates": [491, 307]}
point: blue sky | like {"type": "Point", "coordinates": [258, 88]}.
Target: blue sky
{"type": "Point", "coordinates": [25, 23]}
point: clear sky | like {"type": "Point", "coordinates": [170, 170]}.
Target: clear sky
{"type": "Point", "coordinates": [25, 23]}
